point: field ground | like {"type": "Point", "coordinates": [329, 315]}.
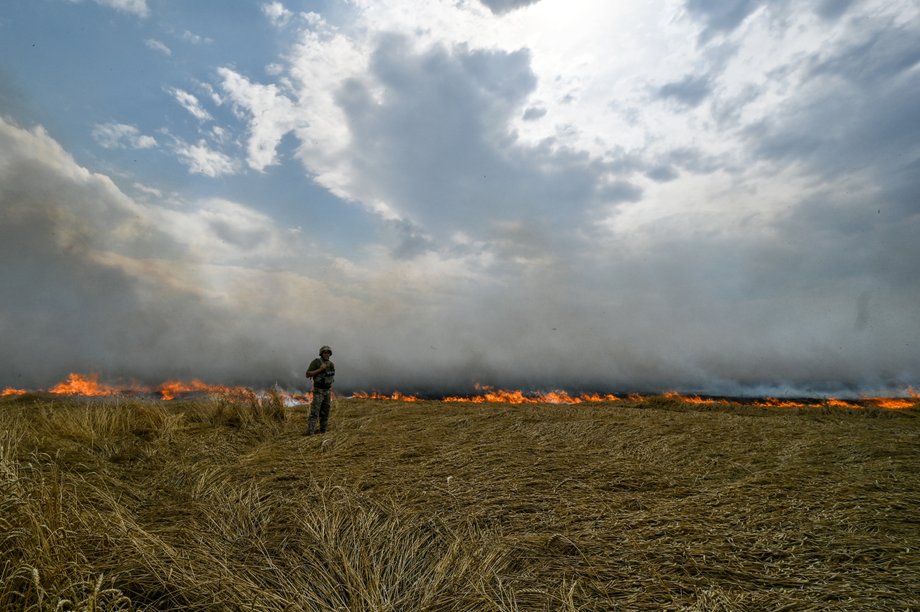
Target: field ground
{"type": "Point", "coordinates": [216, 503]}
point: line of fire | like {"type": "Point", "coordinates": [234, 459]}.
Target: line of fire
{"type": "Point", "coordinates": [89, 385]}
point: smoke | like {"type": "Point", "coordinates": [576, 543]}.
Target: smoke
{"type": "Point", "coordinates": [771, 251]}
{"type": "Point", "coordinates": [95, 281]}
{"type": "Point", "coordinates": [92, 281]}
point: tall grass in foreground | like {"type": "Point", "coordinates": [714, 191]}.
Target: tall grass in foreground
{"type": "Point", "coordinates": [130, 504]}
{"type": "Point", "coordinates": [222, 503]}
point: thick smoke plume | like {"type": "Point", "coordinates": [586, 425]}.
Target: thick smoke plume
{"type": "Point", "coordinates": [95, 281]}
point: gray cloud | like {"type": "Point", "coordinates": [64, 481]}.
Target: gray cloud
{"type": "Point", "coordinates": [500, 7]}
{"type": "Point", "coordinates": [410, 240]}
{"type": "Point", "coordinates": [443, 123]}
{"type": "Point", "coordinates": [662, 174]}
{"type": "Point", "coordinates": [620, 191]}
{"type": "Point", "coordinates": [720, 16]}
{"type": "Point", "coordinates": [833, 9]}
{"type": "Point", "coordinates": [857, 111]}
{"type": "Point", "coordinates": [887, 53]}
{"type": "Point", "coordinates": [723, 17]}
{"type": "Point", "coordinates": [689, 91]}
{"type": "Point", "coordinates": [533, 113]}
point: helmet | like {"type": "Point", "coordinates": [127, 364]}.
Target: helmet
{"type": "Point", "coordinates": [323, 349]}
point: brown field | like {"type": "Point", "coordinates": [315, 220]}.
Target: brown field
{"type": "Point", "coordinates": [219, 503]}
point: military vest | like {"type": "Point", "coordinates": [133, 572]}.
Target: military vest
{"type": "Point", "coordinates": [324, 379]}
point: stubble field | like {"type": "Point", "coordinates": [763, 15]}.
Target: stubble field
{"type": "Point", "coordinates": [222, 503]}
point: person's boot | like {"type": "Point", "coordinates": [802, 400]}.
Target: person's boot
{"type": "Point", "coordinates": [311, 428]}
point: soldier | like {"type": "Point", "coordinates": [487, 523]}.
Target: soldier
{"type": "Point", "coordinates": [322, 371]}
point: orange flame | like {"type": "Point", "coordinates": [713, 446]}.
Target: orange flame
{"type": "Point", "coordinates": [688, 399]}
{"type": "Point", "coordinates": [173, 388]}
{"type": "Point", "coordinates": [517, 397]}
{"type": "Point", "coordinates": [88, 385]}
{"type": "Point", "coordinates": [772, 402]}
{"type": "Point", "coordinates": [292, 399]}
{"type": "Point", "coordinates": [836, 403]}
{"type": "Point", "coordinates": [597, 397]}
{"type": "Point", "coordinates": [893, 403]}
{"type": "Point", "coordinates": [396, 396]}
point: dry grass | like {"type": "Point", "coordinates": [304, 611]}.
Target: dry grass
{"type": "Point", "coordinates": [224, 504]}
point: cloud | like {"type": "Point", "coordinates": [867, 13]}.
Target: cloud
{"type": "Point", "coordinates": [148, 190]}
{"type": "Point", "coordinates": [867, 163]}
{"type": "Point", "coordinates": [870, 79]}
{"type": "Point", "coordinates": [441, 117]}
{"type": "Point", "coordinates": [196, 39]}
{"type": "Point", "coordinates": [833, 9]}
{"type": "Point", "coordinates": [201, 159]}
{"type": "Point", "coordinates": [272, 115]}
{"type": "Point", "coordinates": [721, 16]}
{"type": "Point", "coordinates": [158, 46]}
{"type": "Point", "coordinates": [533, 113]}
{"type": "Point", "coordinates": [121, 136]}
{"type": "Point", "coordinates": [277, 13]}
{"type": "Point", "coordinates": [876, 57]}
{"type": "Point", "coordinates": [500, 7]}
{"type": "Point", "coordinates": [662, 174]}
{"type": "Point", "coordinates": [225, 232]}
{"type": "Point", "coordinates": [689, 91]}
{"type": "Point", "coordinates": [136, 7]}
{"type": "Point", "coordinates": [190, 103]}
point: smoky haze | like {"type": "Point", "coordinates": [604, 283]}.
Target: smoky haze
{"type": "Point", "coordinates": [91, 283]}
{"type": "Point", "coordinates": [736, 218]}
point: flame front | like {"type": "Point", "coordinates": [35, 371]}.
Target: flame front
{"type": "Point", "coordinates": [688, 399]}
{"type": "Point", "coordinates": [772, 402]}
{"type": "Point", "coordinates": [836, 403]}
{"type": "Point", "coordinates": [88, 385]}
{"type": "Point", "coordinates": [396, 396]}
{"type": "Point", "coordinates": [174, 388]}
{"type": "Point", "coordinates": [518, 397]}
{"type": "Point", "coordinates": [893, 403]}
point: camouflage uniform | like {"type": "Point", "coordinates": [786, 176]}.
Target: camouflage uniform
{"type": "Point", "coordinates": [322, 393]}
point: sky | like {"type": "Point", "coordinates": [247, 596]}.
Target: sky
{"type": "Point", "coordinates": [708, 196]}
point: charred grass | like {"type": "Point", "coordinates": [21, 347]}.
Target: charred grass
{"type": "Point", "coordinates": [224, 504]}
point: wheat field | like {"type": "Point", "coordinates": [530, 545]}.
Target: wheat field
{"type": "Point", "coordinates": [221, 503]}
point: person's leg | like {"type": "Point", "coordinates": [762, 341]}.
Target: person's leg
{"type": "Point", "coordinates": [324, 412]}
{"type": "Point", "coordinates": [314, 411]}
